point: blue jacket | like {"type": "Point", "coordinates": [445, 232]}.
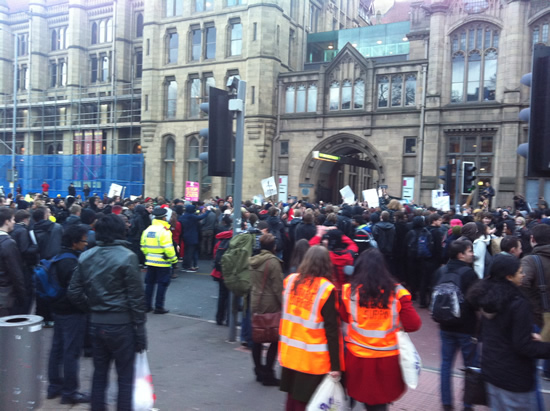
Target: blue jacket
{"type": "Point", "coordinates": [190, 226]}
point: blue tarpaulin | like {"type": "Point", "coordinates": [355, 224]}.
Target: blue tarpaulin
{"type": "Point", "coordinates": [98, 171]}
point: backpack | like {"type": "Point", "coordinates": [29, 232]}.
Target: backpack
{"type": "Point", "coordinates": [222, 248]}
{"type": "Point", "coordinates": [447, 305]}
{"type": "Point", "coordinates": [235, 265]}
{"type": "Point", "coordinates": [47, 283]}
{"type": "Point", "coordinates": [421, 245]}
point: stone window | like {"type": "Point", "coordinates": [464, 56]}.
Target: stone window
{"type": "Point", "coordinates": [204, 5]}
{"type": "Point", "coordinates": [169, 167]}
{"type": "Point", "coordinates": [197, 170]}
{"type": "Point", "coordinates": [172, 44]}
{"type": "Point", "coordinates": [540, 33]}
{"type": "Point", "coordinates": [139, 25]}
{"type": "Point", "coordinates": [173, 8]}
{"type": "Point", "coordinates": [59, 38]}
{"type": "Point", "coordinates": [231, 3]}
{"type": "Point", "coordinates": [105, 68]}
{"type": "Point", "coordinates": [347, 95]}
{"type": "Point", "coordinates": [474, 63]}
{"type": "Point", "coordinates": [478, 148]}
{"type": "Point", "coordinates": [198, 93]}
{"type": "Point", "coordinates": [236, 38]}
{"type": "Point", "coordinates": [93, 60]}
{"type": "Point", "coordinates": [102, 31]}
{"type": "Point", "coordinates": [171, 99]}
{"type": "Point", "coordinates": [210, 52]}
{"type": "Point", "coordinates": [23, 77]}
{"type": "Point", "coordinates": [301, 98]}
{"type": "Point", "coordinates": [398, 90]}
{"type": "Point", "coordinates": [139, 63]}
{"type": "Point", "coordinates": [23, 44]}
{"type": "Point", "coordinates": [410, 146]}
{"type": "Point", "coordinates": [196, 43]}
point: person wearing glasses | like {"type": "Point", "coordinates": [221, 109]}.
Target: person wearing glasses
{"type": "Point", "coordinates": [69, 323]}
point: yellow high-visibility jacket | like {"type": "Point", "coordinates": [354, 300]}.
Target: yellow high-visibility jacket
{"type": "Point", "coordinates": [157, 245]}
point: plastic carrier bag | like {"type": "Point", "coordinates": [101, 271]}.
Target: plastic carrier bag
{"type": "Point", "coordinates": [144, 397]}
{"type": "Point", "coordinates": [409, 360]}
{"type": "Point", "coordinates": [329, 396]}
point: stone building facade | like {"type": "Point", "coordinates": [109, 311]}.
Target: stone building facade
{"type": "Point", "coordinates": [465, 62]}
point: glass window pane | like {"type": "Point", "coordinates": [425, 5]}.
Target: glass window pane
{"type": "Point", "coordinates": [172, 98]}
{"type": "Point", "coordinates": [284, 148]}
{"type": "Point", "coordinates": [485, 165]}
{"type": "Point", "coordinates": [463, 40]}
{"type": "Point", "coordinates": [455, 44]}
{"type": "Point", "coordinates": [536, 35]}
{"type": "Point", "coordinates": [396, 90]}
{"type": "Point", "coordinates": [312, 98]}
{"type": "Point", "coordinates": [194, 103]}
{"type": "Point", "coordinates": [170, 149]}
{"type": "Point", "coordinates": [410, 146]}
{"type": "Point", "coordinates": [210, 82]}
{"type": "Point", "coordinates": [544, 33]}
{"type": "Point", "coordinates": [196, 48]}
{"type": "Point", "coordinates": [474, 75]}
{"type": "Point", "coordinates": [334, 102]}
{"type": "Point", "coordinates": [169, 8]}
{"type": "Point", "coordinates": [179, 7]}
{"type": "Point", "coordinates": [211, 42]}
{"type": "Point", "coordinates": [486, 144]}
{"type": "Point", "coordinates": [301, 99]}
{"type": "Point", "coordinates": [194, 149]}
{"type": "Point", "coordinates": [193, 171]}
{"type": "Point", "coordinates": [487, 43]}
{"type": "Point", "coordinates": [495, 38]}
{"type": "Point", "coordinates": [346, 95]}
{"type": "Point", "coordinates": [236, 39]}
{"type": "Point", "coordinates": [359, 94]}
{"type": "Point", "coordinates": [454, 144]}
{"type": "Point", "coordinates": [173, 48]}
{"type": "Point", "coordinates": [383, 91]}
{"type": "Point", "coordinates": [471, 39]}
{"type": "Point", "coordinates": [410, 90]}
{"type": "Point", "coordinates": [490, 78]}
{"type": "Point", "coordinates": [109, 30]}
{"type": "Point", "coordinates": [470, 144]}
{"type": "Point", "coordinates": [289, 100]}
{"type": "Point", "coordinates": [479, 38]}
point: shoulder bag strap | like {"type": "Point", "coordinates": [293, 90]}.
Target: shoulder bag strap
{"type": "Point", "coordinates": [542, 284]}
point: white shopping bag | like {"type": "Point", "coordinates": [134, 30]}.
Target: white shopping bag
{"type": "Point", "coordinates": [329, 396]}
{"type": "Point", "coordinates": [144, 396]}
{"type": "Point", "coordinates": [409, 360]}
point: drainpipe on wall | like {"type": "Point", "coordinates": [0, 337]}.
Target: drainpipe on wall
{"type": "Point", "coordinates": [420, 142]}
{"type": "Point", "coordinates": [274, 149]}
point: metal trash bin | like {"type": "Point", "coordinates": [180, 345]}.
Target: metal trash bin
{"type": "Point", "coordinates": [20, 368]}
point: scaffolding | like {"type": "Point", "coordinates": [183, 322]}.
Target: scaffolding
{"type": "Point", "coordinates": [86, 135]}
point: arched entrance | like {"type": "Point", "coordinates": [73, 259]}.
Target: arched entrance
{"type": "Point", "coordinates": [327, 178]}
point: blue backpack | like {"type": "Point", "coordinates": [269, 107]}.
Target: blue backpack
{"type": "Point", "coordinates": [47, 283]}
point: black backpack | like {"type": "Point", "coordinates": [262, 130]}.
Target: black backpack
{"type": "Point", "coordinates": [447, 305]}
{"type": "Point", "coordinates": [421, 244]}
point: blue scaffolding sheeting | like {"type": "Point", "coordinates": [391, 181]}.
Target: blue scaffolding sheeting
{"type": "Point", "coordinates": [98, 171]}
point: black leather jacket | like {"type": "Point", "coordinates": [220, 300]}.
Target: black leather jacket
{"type": "Point", "coordinates": [10, 267]}
{"type": "Point", "coordinates": [108, 283]}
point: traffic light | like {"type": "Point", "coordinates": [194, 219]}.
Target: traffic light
{"type": "Point", "coordinates": [447, 177]}
{"type": "Point", "coordinates": [537, 150]}
{"type": "Point", "coordinates": [468, 177]}
{"type": "Point", "coordinates": [219, 133]}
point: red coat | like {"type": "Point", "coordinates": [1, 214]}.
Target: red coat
{"type": "Point", "coordinates": [176, 238]}
{"type": "Point", "coordinates": [219, 237]}
{"type": "Point", "coordinates": [339, 259]}
{"type": "Point", "coordinates": [379, 380]}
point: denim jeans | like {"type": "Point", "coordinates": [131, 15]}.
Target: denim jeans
{"type": "Point", "coordinates": [500, 399]}
{"type": "Point", "coordinates": [161, 277]}
{"type": "Point", "coordinates": [63, 364]}
{"type": "Point", "coordinates": [451, 342]}
{"type": "Point", "coordinates": [113, 342]}
{"type": "Point", "coordinates": [189, 255]}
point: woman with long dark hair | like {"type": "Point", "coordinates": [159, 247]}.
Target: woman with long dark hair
{"type": "Point", "coordinates": [300, 250]}
{"type": "Point", "coordinates": [310, 343]}
{"type": "Point", "coordinates": [374, 308]}
{"type": "Point", "coordinates": [509, 352]}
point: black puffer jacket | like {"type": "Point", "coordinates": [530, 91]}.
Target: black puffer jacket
{"type": "Point", "coordinates": [29, 252]}
{"type": "Point", "coordinates": [64, 270]}
{"type": "Point", "coordinates": [108, 283]}
{"type": "Point", "coordinates": [508, 358]}
{"type": "Point", "coordinates": [48, 235]}
{"type": "Point", "coordinates": [10, 267]}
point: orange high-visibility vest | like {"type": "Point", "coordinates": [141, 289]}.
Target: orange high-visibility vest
{"type": "Point", "coordinates": [372, 332]}
{"type": "Point", "coordinates": [303, 341]}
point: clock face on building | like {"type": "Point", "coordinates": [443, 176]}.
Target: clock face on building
{"type": "Point", "coordinates": [475, 6]}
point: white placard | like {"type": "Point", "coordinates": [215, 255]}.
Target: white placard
{"type": "Point", "coordinates": [408, 189]}
{"type": "Point", "coordinates": [440, 200]}
{"type": "Point", "coordinates": [269, 187]}
{"type": "Point", "coordinates": [371, 197]}
{"type": "Point", "coordinates": [347, 194]}
{"type": "Point", "coordinates": [258, 200]}
{"type": "Point", "coordinates": [114, 190]}
{"type": "Point", "coordinates": [283, 188]}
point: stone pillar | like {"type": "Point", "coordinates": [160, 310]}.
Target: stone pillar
{"type": "Point", "coordinates": [78, 36]}
{"type": "Point", "coordinates": [40, 45]}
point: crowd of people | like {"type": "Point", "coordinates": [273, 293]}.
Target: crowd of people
{"type": "Point", "coordinates": [325, 268]}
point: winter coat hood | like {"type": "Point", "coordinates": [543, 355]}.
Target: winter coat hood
{"type": "Point", "coordinates": [493, 297]}
{"type": "Point", "coordinates": [542, 250]}
{"type": "Point", "coordinates": [418, 222]}
{"type": "Point", "coordinates": [385, 225]}
{"type": "Point", "coordinates": [190, 208]}
{"type": "Point", "coordinates": [259, 259]}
